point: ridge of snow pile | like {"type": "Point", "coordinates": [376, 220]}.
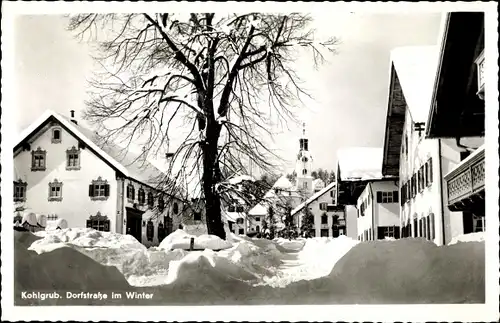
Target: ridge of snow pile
{"type": "Point", "coordinates": [205, 268]}
{"type": "Point", "coordinates": [469, 237]}
{"type": "Point", "coordinates": [290, 244]}
{"type": "Point", "coordinates": [85, 238]}
{"type": "Point", "coordinates": [409, 271]}
{"type": "Point", "coordinates": [179, 239]}
{"type": "Point", "coordinates": [316, 259]}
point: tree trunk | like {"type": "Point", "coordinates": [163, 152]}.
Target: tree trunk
{"type": "Point", "coordinates": [211, 176]}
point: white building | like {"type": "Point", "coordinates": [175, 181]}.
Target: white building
{"type": "Point", "coordinates": [356, 167]}
{"type": "Point", "coordinates": [419, 163]}
{"type": "Point", "coordinates": [63, 170]}
{"type": "Point", "coordinates": [458, 100]}
{"type": "Point", "coordinates": [378, 211]}
{"type": "Point", "coordinates": [329, 219]}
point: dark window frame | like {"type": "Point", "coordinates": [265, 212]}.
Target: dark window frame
{"type": "Point", "coordinates": [99, 189]}
{"type": "Point", "coordinates": [55, 186]}
{"type": "Point", "coordinates": [20, 187]}
{"type": "Point", "coordinates": [38, 160]}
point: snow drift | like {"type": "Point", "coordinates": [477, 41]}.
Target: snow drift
{"type": "Point", "coordinates": [179, 239]}
{"type": "Point", "coordinates": [322, 271]}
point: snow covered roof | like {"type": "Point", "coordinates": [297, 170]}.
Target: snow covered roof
{"type": "Point", "coordinates": [259, 209]}
{"type": "Point", "coordinates": [283, 183]}
{"type": "Point", "coordinates": [360, 163]}
{"type": "Point", "coordinates": [313, 198]}
{"type": "Point", "coordinates": [141, 170]}
{"type": "Point", "coordinates": [241, 178]}
{"type": "Point", "coordinates": [416, 68]}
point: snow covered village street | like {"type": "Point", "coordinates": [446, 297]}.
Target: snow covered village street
{"type": "Point", "coordinates": [258, 271]}
{"type": "Point", "coordinates": [279, 162]}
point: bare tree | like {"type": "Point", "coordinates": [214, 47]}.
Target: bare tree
{"type": "Point", "coordinates": [226, 78]}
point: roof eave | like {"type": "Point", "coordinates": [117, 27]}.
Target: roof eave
{"type": "Point", "coordinates": [429, 133]}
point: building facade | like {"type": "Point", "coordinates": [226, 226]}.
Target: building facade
{"type": "Point", "coordinates": [378, 211]}
{"type": "Point", "coordinates": [329, 219]}
{"type": "Point", "coordinates": [61, 172]}
{"type": "Point", "coordinates": [419, 162]}
{"type": "Point", "coordinates": [458, 100]}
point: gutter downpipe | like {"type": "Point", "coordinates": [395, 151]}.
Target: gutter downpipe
{"type": "Point", "coordinates": [441, 192]}
{"type": "Point", "coordinates": [373, 211]}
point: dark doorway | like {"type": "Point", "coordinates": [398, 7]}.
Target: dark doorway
{"type": "Point", "coordinates": [134, 223]}
{"type": "Point", "coordinates": [468, 222]}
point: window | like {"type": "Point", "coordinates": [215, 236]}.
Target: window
{"type": "Point", "coordinates": [257, 218]}
{"type": "Point", "coordinates": [141, 196]}
{"type": "Point", "coordinates": [257, 228]}
{"type": "Point", "coordinates": [55, 191]}
{"type": "Point", "coordinates": [161, 204]}
{"type": "Point", "coordinates": [304, 172]}
{"type": "Point", "coordinates": [150, 230]}
{"type": "Point", "coordinates": [478, 224]}
{"type": "Point", "coordinates": [424, 228]}
{"type": "Point", "coordinates": [426, 174]}
{"type": "Point", "coordinates": [323, 206]}
{"type": "Point", "coordinates": [52, 217]}
{"type": "Point", "coordinates": [414, 186]}
{"type": "Point", "coordinates": [161, 232]}
{"type": "Point", "coordinates": [403, 194]}
{"type": "Point", "coordinates": [99, 190]}
{"type": "Point", "coordinates": [388, 197]}
{"type": "Point", "coordinates": [56, 135]}
{"type": "Point", "coordinates": [175, 208]}
{"type": "Point", "coordinates": [73, 159]}
{"type": "Point", "coordinates": [432, 226]}
{"type": "Point", "coordinates": [331, 193]}
{"type": "Point", "coordinates": [415, 227]}
{"type": "Point", "coordinates": [20, 191]}
{"type": "Point", "coordinates": [130, 192]}
{"type": "Point", "coordinates": [151, 200]}
{"type": "Point", "coordinates": [304, 159]}
{"type": "Point", "coordinates": [324, 219]}
{"type": "Point", "coordinates": [305, 184]}
{"type": "Point", "coordinates": [324, 233]}
{"type": "Point", "coordinates": [240, 209]}
{"type": "Point", "coordinates": [239, 221]}
{"type": "Point", "coordinates": [197, 216]}
{"type": "Point", "coordinates": [98, 222]}
{"type": "Point", "coordinates": [420, 231]}
{"type": "Point", "coordinates": [38, 160]}
{"type": "Point", "coordinates": [231, 208]}
{"type": "Point", "coordinates": [241, 231]}
{"type": "Point", "coordinates": [330, 208]}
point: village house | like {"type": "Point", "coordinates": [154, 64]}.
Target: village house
{"type": "Point", "coordinates": [378, 211]}
{"type": "Point", "coordinates": [420, 162]}
{"type": "Point", "coordinates": [329, 219]}
{"type": "Point", "coordinates": [356, 167]}
{"type": "Point", "coordinates": [457, 113]}
{"type": "Point", "coordinates": [63, 171]}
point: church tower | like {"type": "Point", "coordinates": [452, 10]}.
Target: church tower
{"type": "Point", "coordinates": [303, 165]}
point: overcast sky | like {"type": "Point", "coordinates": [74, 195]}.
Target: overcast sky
{"type": "Point", "coordinates": [350, 90]}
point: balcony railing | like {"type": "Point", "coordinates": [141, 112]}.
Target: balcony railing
{"type": "Point", "coordinates": [480, 74]}
{"type": "Point", "coordinates": [467, 179]}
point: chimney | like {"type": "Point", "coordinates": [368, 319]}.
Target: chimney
{"type": "Point", "coordinates": [72, 112]}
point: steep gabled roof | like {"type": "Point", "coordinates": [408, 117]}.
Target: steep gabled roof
{"type": "Point", "coordinates": [314, 197]}
{"type": "Point", "coordinates": [141, 171]}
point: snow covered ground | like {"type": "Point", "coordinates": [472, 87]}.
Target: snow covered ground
{"type": "Point", "coordinates": [244, 270]}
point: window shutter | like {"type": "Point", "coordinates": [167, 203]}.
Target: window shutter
{"type": "Point", "coordinates": [430, 171]}
{"type": "Point", "coordinates": [91, 190]}
{"type": "Point", "coordinates": [133, 193]}
{"type": "Point", "coordinates": [379, 197]}
{"type": "Point", "coordinates": [128, 192]}
{"type": "Point", "coordinates": [396, 232]}
{"type": "Point", "coordinates": [395, 196]}
{"type": "Point", "coordinates": [106, 190]}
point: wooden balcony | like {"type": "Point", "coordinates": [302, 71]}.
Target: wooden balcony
{"type": "Point", "coordinates": [465, 183]}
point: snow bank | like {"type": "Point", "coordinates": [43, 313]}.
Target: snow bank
{"type": "Point", "coordinates": [470, 237]}
{"type": "Point", "coordinates": [398, 272]}
{"type": "Point", "coordinates": [85, 238]}
{"type": "Point", "coordinates": [290, 244]}
{"type": "Point", "coordinates": [179, 239]}
{"type": "Point", "coordinates": [61, 270]}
